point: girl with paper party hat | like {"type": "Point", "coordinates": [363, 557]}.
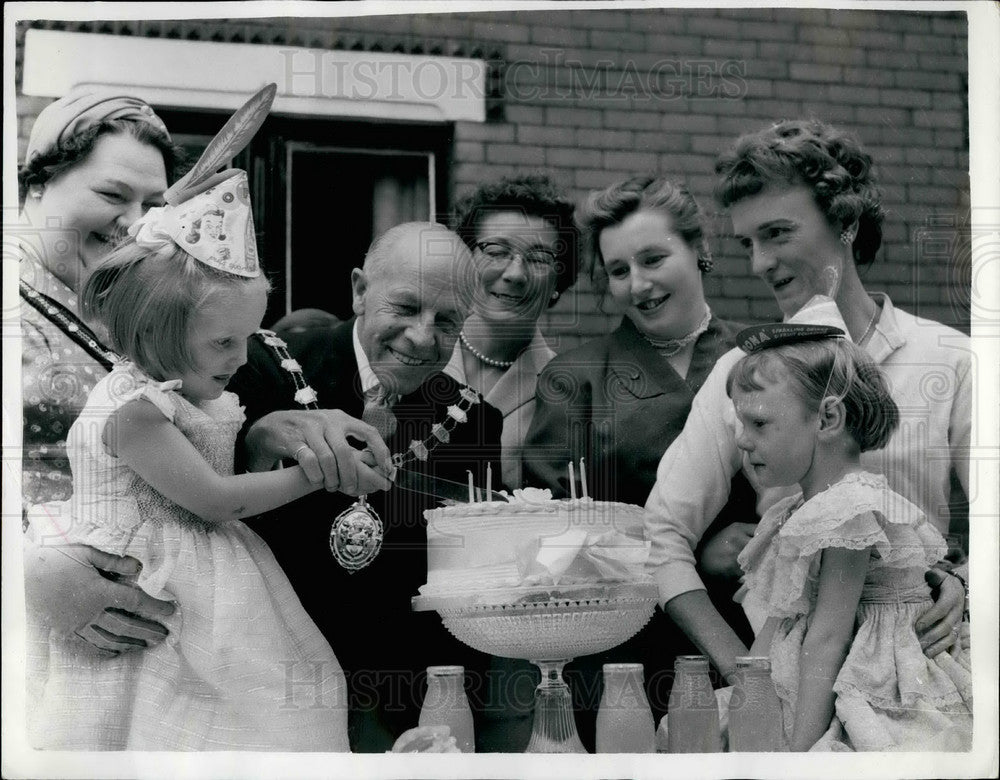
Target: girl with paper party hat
{"type": "Point", "coordinates": [244, 667]}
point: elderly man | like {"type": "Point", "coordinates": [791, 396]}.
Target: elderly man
{"type": "Point", "coordinates": [410, 300]}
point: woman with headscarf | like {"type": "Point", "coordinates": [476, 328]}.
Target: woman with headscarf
{"type": "Point", "coordinates": [96, 161]}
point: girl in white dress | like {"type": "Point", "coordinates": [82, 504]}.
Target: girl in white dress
{"type": "Point", "coordinates": [840, 565]}
{"type": "Point", "coordinates": [244, 667]}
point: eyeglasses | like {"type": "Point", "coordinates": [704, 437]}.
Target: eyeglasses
{"type": "Point", "coordinates": [499, 252]}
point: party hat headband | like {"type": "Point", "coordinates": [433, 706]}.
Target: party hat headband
{"type": "Point", "coordinates": [775, 334]}
{"type": "Point", "coordinates": [208, 211]}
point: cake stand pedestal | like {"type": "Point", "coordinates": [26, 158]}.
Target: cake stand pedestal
{"type": "Point", "coordinates": [549, 627]}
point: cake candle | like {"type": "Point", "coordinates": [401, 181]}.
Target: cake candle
{"type": "Point", "coordinates": [583, 479]}
{"type": "Point", "coordinates": [472, 490]}
{"type": "Point", "coordinates": [572, 482]}
{"type": "Point", "coordinates": [489, 482]}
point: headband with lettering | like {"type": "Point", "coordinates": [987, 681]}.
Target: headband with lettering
{"type": "Point", "coordinates": [775, 334]}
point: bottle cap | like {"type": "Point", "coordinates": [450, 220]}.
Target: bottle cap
{"type": "Point", "coordinates": [622, 668]}
{"type": "Point", "coordinates": [697, 662]}
{"type": "Point", "coordinates": [753, 662]}
{"type": "Point", "coordinates": [437, 671]}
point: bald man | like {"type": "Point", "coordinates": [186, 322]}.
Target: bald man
{"type": "Point", "coordinates": [410, 299]}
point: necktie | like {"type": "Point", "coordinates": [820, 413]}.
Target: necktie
{"type": "Point", "coordinates": [378, 412]}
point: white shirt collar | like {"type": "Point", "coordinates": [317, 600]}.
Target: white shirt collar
{"type": "Point", "coordinates": [886, 337]}
{"type": "Point", "coordinates": [369, 380]}
{"type": "Point", "coordinates": [455, 368]}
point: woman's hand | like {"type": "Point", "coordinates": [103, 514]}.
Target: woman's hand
{"type": "Point", "coordinates": [940, 626]}
{"type": "Point", "coordinates": [718, 554]}
{"type": "Point", "coordinates": [65, 588]}
{"type": "Point", "coordinates": [318, 441]}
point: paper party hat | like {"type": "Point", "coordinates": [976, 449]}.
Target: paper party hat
{"type": "Point", "coordinates": [208, 212]}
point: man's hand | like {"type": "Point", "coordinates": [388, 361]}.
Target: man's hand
{"type": "Point", "coordinates": [718, 554]}
{"type": "Point", "coordinates": [940, 626]}
{"type": "Point", "coordinates": [317, 439]}
{"type": "Point", "coordinates": [65, 589]}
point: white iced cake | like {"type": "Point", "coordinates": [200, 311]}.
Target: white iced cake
{"type": "Point", "coordinates": [532, 540]}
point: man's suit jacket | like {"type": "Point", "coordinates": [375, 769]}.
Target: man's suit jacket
{"type": "Point", "coordinates": [383, 645]}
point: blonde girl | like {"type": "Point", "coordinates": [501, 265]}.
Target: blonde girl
{"type": "Point", "coordinates": [243, 666]}
{"type": "Point", "coordinates": [839, 565]}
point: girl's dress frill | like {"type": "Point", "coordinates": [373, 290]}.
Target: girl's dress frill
{"type": "Point", "coordinates": [243, 667]}
{"type": "Point", "coordinates": [889, 695]}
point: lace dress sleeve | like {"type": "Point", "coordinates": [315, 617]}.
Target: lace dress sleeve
{"type": "Point", "coordinates": [859, 512]}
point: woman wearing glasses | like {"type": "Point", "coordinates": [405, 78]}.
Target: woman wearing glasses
{"type": "Point", "coordinates": [522, 236]}
{"type": "Point", "coordinates": [521, 233]}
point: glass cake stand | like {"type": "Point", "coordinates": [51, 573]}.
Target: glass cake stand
{"type": "Point", "coordinates": [548, 627]}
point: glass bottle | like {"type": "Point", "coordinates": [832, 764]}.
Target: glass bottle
{"type": "Point", "coordinates": [692, 711]}
{"type": "Point", "coordinates": [624, 719]}
{"type": "Point", "coordinates": [447, 705]}
{"type": "Point", "coordinates": [755, 723]}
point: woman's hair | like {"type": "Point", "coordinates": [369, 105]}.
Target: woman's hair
{"type": "Point", "coordinates": [611, 206]}
{"type": "Point", "coordinates": [819, 369]}
{"type": "Point", "coordinates": [46, 166]}
{"type": "Point", "coordinates": [534, 195]}
{"type": "Point", "coordinates": [807, 151]}
{"type": "Point", "coordinates": [145, 298]}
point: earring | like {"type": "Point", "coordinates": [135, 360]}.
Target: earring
{"type": "Point", "coordinates": [36, 194]}
{"type": "Point", "coordinates": [555, 295]}
{"type": "Point", "coordinates": [705, 264]}
{"type": "Point", "coordinates": [847, 238]}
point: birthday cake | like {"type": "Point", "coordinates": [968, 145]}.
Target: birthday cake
{"type": "Point", "coordinates": [529, 542]}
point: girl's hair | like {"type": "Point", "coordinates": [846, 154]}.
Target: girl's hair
{"type": "Point", "coordinates": [146, 299]}
{"type": "Point", "coordinates": [611, 206]}
{"type": "Point", "coordinates": [534, 195]}
{"type": "Point", "coordinates": [818, 369]}
{"type": "Point", "coordinates": [830, 162]}
{"type": "Point", "coordinates": [75, 149]}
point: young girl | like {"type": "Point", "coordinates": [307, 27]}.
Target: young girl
{"type": "Point", "coordinates": [840, 565]}
{"type": "Point", "coordinates": [152, 452]}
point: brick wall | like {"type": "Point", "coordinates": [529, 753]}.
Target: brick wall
{"type": "Point", "coordinates": [595, 96]}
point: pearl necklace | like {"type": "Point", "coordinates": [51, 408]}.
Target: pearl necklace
{"type": "Point", "coordinates": [670, 347]}
{"type": "Point", "coordinates": [480, 356]}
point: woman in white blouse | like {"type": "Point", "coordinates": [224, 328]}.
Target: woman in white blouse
{"type": "Point", "coordinates": [803, 199]}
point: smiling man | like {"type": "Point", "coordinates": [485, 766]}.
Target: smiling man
{"type": "Point", "coordinates": [384, 366]}
{"type": "Point", "coordinates": [411, 299]}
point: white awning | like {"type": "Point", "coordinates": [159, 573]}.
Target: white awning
{"type": "Point", "coordinates": [207, 75]}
